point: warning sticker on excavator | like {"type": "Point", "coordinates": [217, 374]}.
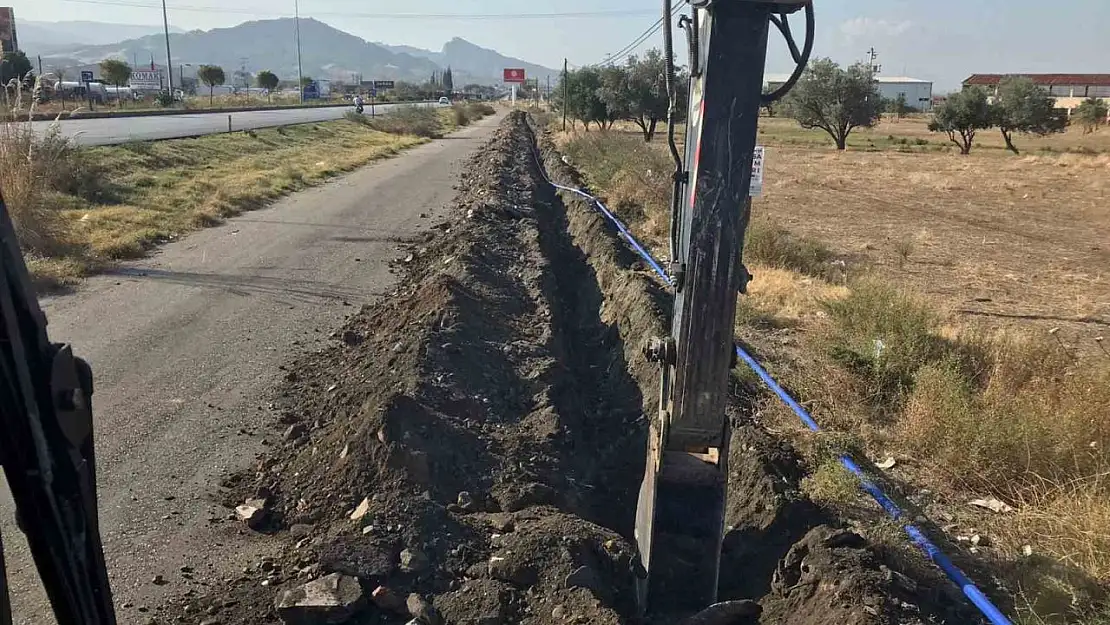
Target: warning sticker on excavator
{"type": "Point", "coordinates": [757, 172]}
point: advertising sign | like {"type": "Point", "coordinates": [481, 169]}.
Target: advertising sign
{"type": "Point", "coordinates": [514, 75]}
{"type": "Point", "coordinates": [146, 80]}
{"type": "Point", "coordinates": [86, 76]}
{"type": "Point", "coordinates": [383, 84]}
{"type": "Point", "coordinates": [757, 172]}
{"type": "Point", "coordinates": [8, 41]}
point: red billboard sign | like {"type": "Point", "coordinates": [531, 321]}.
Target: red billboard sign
{"type": "Point", "coordinates": [514, 75]}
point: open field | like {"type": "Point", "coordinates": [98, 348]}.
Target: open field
{"type": "Point", "coordinates": [912, 134]}
{"type": "Point", "coordinates": [993, 237]}
{"type": "Point", "coordinates": [947, 312]}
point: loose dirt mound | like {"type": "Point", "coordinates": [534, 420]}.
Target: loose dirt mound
{"type": "Point", "coordinates": [478, 438]}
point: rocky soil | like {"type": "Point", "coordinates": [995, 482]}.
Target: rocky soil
{"type": "Point", "coordinates": [469, 450]}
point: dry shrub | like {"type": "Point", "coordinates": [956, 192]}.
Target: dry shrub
{"type": "Point", "coordinates": [1037, 418]}
{"type": "Point", "coordinates": [478, 110]}
{"type": "Point", "coordinates": [885, 336]}
{"type": "Point", "coordinates": [773, 246]}
{"type": "Point", "coordinates": [460, 115]}
{"type": "Point", "coordinates": [34, 172]}
{"type": "Point", "coordinates": [634, 176]}
{"type": "Point", "coordinates": [410, 120]}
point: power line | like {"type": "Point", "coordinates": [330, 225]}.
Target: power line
{"type": "Point", "coordinates": [399, 16]}
{"type": "Point", "coordinates": [639, 41]}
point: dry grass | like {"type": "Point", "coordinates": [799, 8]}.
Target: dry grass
{"type": "Point", "coordinates": [940, 354]}
{"type": "Point", "coordinates": [912, 135]}
{"type": "Point", "coordinates": [147, 193]}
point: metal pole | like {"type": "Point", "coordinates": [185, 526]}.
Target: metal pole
{"type": "Point", "coordinates": [297, 32]}
{"type": "Point", "coordinates": [566, 77]}
{"type": "Point", "coordinates": [169, 62]}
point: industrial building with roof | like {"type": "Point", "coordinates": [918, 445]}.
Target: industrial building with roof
{"type": "Point", "coordinates": [918, 93]}
{"type": "Point", "coordinates": [1069, 89]}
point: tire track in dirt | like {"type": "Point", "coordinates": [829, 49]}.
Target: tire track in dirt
{"type": "Point", "coordinates": [486, 425]}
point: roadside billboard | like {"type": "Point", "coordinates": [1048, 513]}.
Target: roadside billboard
{"type": "Point", "coordinates": [146, 80]}
{"type": "Point", "coordinates": [8, 41]}
{"type": "Point", "coordinates": [383, 84]}
{"type": "Point", "coordinates": [514, 75]}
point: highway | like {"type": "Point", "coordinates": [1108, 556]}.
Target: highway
{"type": "Point", "coordinates": [110, 131]}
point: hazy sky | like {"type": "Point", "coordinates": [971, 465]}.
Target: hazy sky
{"type": "Point", "coordinates": [939, 40]}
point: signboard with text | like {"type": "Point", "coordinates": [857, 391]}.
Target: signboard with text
{"type": "Point", "coordinates": [383, 84]}
{"type": "Point", "coordinates": [8, 41]}
{"type": "Point", "coordinates": [757, 172]}
{"type": "Point", "coordinates": [86, 76]}
{"type": "Point", "coordinates": [514, 76]}
{"type": "Point", "coordinates": [146, 80]}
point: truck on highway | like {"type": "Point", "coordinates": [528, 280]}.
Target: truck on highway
{"type": "Point", "coordinates": [94, 91]}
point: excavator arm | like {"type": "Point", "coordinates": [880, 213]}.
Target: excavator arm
{"type": "Point", "coordinates": [680, 515]}
{"type": "Point", "coordinates": [46, 448]}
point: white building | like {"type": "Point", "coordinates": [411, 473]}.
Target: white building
{"type": "Point", "coordinates": [918, 93]}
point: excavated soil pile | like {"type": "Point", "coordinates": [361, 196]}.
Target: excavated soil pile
{"type": "Point", "coordinates": [470, 449]}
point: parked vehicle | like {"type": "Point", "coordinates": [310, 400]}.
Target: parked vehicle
{"type": "Point", "coordinates": [444, 101]}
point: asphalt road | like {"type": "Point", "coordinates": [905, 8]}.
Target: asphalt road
{"type": "Point", "coordinates": [109, 131]}
{"type": "Point", "coordinates": [185, 347]}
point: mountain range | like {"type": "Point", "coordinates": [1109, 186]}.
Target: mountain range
{"type": "Point", "coordinates": [326, 52]}
{"type": "Point", "coordinates": [46, 36]}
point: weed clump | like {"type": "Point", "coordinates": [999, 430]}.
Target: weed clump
{"type": "Point", "coordinates": [409, 120]}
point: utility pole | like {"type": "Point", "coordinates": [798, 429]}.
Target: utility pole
{"type": "Point", "coordinates": [566, 76]}
{"type": "Point", "coordinates": [169, 61]}
{"type": "Point", "coordinates": [297, 31]}
{"type": "Point", "coordinates": [873, 56]}
{"type": "Point", "coordinates": [40, 66]}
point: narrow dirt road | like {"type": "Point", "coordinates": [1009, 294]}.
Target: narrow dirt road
{"type": "Point", "coordinates": [187, 347]}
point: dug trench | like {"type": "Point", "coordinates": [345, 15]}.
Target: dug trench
{"type": "Point", "coordinates": [469, 450]}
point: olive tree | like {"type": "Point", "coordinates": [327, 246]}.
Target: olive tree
{"type": "Point", "coordinates": [117, 73]}
{"type": "Point", "coordinates": [962, 116]}
{"type": "Point", "coordinates": [1022, 106]}
{"type": "Point", "coordinates": [835, 99]}
{"type": "Point", "coordinates": [268, 81]}
{"type": "Point", "coordinates": [1091, 114]}
{"type": "Point", "coordinates": [211, 75]}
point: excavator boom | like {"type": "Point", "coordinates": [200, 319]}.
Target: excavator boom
{"type": "Point", "coordinates": [680, 518]}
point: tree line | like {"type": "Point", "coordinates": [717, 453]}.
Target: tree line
{"type": "Point", "coordinates": [1019, 106]}
{"type": "Point", "coordinates": [839, 100]}
{"type": "Point", "coordinates": [635, 92]}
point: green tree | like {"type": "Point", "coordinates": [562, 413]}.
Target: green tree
{"type": "Point", "coordinates": [583, 100]}
{"type": "Point", "coordinates": [1022, 106]}
{"type": "Point", "coordinates": [211, 75]}
{"type": "Point", "coordinates": [835, 100]}
{"type": "Point", "coordinates": [647, 82]}
{"type": "Point", "coordinates": [268, 81]}
{"type": "Point", "coordinates": [448, 80]}
{"type": "Point", "coordinates": [615, 93]}
{"type": "Point", "coordinates": [15, 66]}
{"type": "Point", "coordinates": [899, 106]}
{"type": "Point", "coordinates": [117, 73]}
{"type": "Point", "coordinates": [1091, 114]}
{"type": "Point", "coordinates": [962, 116]}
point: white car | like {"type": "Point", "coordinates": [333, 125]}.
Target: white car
{"type": "Point", "coordinates": [444, 101]}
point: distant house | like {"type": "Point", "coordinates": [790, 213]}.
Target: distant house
{"type": "Point", "coordinates": [918, 93]}
{"type": "Point", "coordinates": [1069, 89]}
